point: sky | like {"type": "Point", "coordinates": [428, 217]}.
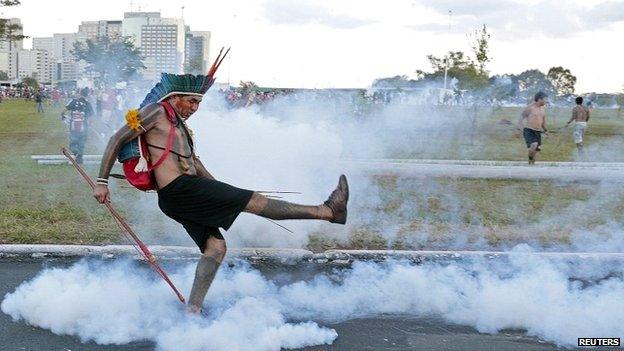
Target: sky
{"type": "Point", "coordinates": [349, 43]}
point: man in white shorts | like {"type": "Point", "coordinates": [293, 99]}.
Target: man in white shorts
{"type": "Point", "coordinates": [580, 115]}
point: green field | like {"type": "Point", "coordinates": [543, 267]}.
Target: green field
{"type": "Point", "coordinates": [43, 204]}
{"type": "Point", "coordinates": [51, 204]}
{"type": "Point", "coordinates": [483, 133]}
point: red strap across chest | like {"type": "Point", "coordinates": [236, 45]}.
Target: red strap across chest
{"type": "Point", "coordinates": [171, 116]}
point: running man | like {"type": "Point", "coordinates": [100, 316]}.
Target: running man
{"type": "Point", "coordinates": [580, 115]}
{"type": "Point", "coordinates": [78, 119]}
{"type": "Point", "coordinates": [532, 122]}
{"type": "Point", "coordinates": [187, 191]}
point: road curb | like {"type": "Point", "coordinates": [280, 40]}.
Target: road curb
{"type": "Point", "coordinates": [283, 256]}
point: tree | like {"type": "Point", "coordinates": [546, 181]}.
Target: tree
{"type": "Point", "coordinates": [110, 59]}
{"type": "Point", "coordinates": [503, 87]}
{"type": "Point", "coordinates": [395, 82]}
{"type": "Point", "coordinates": [480, 48]}
{"type": "Point", "coordinates": [455, 59]}
{"type": "Point", "coordinates": [562, 80]}
{"type": "Point", "coordinates": [8, 30]}
{"type": "Point", "coordinates": [31, 82]}
{"type": "Point", "coordinates": [533, 80]}
{"type": "Point", "coordinates": [4, 75]}
{"type": "Point", "coordinates": [460, 67]}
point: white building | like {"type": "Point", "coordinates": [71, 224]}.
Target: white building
{"type": "Point", "coordinates": [197, 51]}
{"type": "Point", "coordinates": [63, 66]}
{"type": "Point", "coordinates": [96, 29]}
{"type": "Point", "coordinates": [160, 40]}
{"type": "Point", "coordinates": [46, 44]}
{"type": "Point", "coordinates": [33, 64]}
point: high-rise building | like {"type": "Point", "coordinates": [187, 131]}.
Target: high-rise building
{"type": "Point", "coordinates": [45, 43]}
{"type": "Point", "coordinates": [96, 29]}
{"type": "Point", "coordinates": [160, 40]}
{"type": "Point", "coordinates": [63, 66]}
{"type": "Point", "coordinates": [33, 64]}
{"type": "Point", "coordinates": [196, 52]}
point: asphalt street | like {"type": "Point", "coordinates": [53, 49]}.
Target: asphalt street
{"type": "Point", "coordinates": [373, 333]}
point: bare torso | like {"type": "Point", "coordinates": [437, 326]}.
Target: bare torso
{"type": "Point", "coordinates": [174, 165]}
{"type": "Point", "coordinates": [533, 117]}
{"type": "Point", "coordinates": [580, 113]}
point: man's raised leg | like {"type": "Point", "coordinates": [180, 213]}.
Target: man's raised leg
{"type": "Point", "coordinates": [205, 272]}
{"type": "Point", "coordinates": [333, 210]}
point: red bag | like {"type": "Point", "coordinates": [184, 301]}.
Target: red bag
{"type": "Point", "coordinates": [138, 170]}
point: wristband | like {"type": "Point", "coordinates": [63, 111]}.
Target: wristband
{"type": "Point", "coordinates": [102, 181]}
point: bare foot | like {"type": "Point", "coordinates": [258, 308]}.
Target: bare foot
{"type": "Point", "coordinates": [337, 201]}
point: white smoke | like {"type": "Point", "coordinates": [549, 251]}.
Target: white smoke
{"type": "Point", "coordinates": [300, 143]}
{"type": "Point", "coordinates": [118, 303]}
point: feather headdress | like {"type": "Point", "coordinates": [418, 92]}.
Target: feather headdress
{"type": "Point", "coordinates": [183, 84]}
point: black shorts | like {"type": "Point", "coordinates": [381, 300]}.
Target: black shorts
{"type": "Point", "coordinates": [202, 205]}
{"type": "Point", "coordinates": [532, 136]}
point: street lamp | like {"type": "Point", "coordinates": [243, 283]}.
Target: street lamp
{"type": "Point", "coordinates": [446, 57]}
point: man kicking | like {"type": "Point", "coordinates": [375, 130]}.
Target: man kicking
{"type": "Point", "coordinates": [580, 115]}
{"type": "Point", "coordinates": [532, 122]}
{"type": "Point", "coordinates": [187, 192]}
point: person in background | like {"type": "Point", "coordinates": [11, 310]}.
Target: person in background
{"type": "Point", "coordinates": [533, 123]}
{"type": "Point", "coordinates": [80, 110]}
{"type": "Point", "coordinates": [39, 100]}
{"type": "Point", "coordinates": [56, 98]}
{"type": "Point", "coordinates": [109, 104]}
{"type": "Point", "coordinates": [580, 115]}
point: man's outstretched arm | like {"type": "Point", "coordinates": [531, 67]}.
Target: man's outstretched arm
{"type": "Point", "coordinates": [149, 116]}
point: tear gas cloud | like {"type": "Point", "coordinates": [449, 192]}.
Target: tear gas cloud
{"type": "Point", "coordinates": [302, 142]}
{"type": "Point", "coordinates": [107, 302]}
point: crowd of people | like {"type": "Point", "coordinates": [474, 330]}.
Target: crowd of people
{"type": "Point", "coordinates": [109, 104]}
{"type": "Point", "coordinates": [248, 94]}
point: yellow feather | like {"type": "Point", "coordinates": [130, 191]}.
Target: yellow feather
{"type": "Point", "coordinates": [133, 120]}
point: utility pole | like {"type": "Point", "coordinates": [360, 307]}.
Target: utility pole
{"type": "Point", "coordinates": [446, 67]}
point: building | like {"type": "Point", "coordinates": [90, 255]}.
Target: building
{"type": "Point", "coordinates": [46, 44]}
{"type": "Point", "coordinates": [196, 52]}
{"type": "Point", "coordinates": [63, 66]}
{"type": "Point", "coordinates": [166, 45]}
{"type": "Point", "coordinates": [97, 29]}
{"type": "Point", "coordinates": [33, 64]}
{"type": "Point", "coordinates": [160, 40]}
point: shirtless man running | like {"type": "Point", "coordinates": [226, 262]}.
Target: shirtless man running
{"type": "Point", "coordinates": [532, 122]}
{"type": "Point", "coordinates": [580, 115]}
{"type": "Point", "coordinates": [187, 191]}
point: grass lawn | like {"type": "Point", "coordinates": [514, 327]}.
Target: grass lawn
{"type": "Point", "coordinates": [448, 213]}
{"type": "Point", "coordinates": [44, 204]}
{"type": "Point", "coordinates": [479, 134]}
{"type": "Point", "coordinates": [51, 204]}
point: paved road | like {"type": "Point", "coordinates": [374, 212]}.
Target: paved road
{"type": "Point", "coordinates": [374, 333]}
